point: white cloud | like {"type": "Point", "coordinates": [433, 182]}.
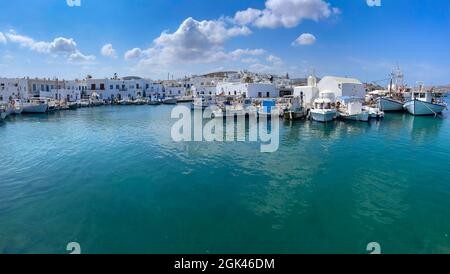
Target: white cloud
{"type": "Point", "coordinates": [63, 45]}
{"type": "Point", "coordinates": [272, 64]}
{"type": "Point", "coordinates": [274, 60]}
{"type": "Point", "coordinates": [247, 16]}
{"type": "Point", "coordinates": [2, 38]}
{"type": "Point", "coordinates": [59, 46]}
{"type": "Point", "coordinates": [249, 60]}
{"type": "Point", "coordinates": [193, 42]}
{"type": "Point", "coordinates": [261, 68]}
{"type": "Point", "coordinates": [24, 41]}
{"type": "Point", "coordinates": [252, 52]}
{"type": "Point", "coordinates": [238, 31]}
{"type": "Point", "coordinates": [133, 54]}
{"type": "Point", "coordinates": [108, 51]}
{"type": "Point", "coordinates": [285, 13]}
{"type": "Point", "coordinates": [305, 39]}
{"type": "Point", "coordinates": [80, 58]}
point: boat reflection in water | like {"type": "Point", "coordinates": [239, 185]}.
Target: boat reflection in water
{"type": "Point", "coordinates": [423, 130]}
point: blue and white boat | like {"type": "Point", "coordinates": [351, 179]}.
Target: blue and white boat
{"type": "Point", "coordinates": [170, 101]}
{"type": "Point", "coordinates": [424, 103]}
{"type": "Point", "coordinates": [397, 95]}
{"type": "Point", "coordinates": [351, 108]}
{"type": "Point", "coordinates": [389, 104]}
{"type": "Point", "coordinates": [323, 110]}
{"type": "Point", "coordinates": [35, 106]}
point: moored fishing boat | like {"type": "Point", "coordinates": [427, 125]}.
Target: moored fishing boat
{"type": "Point", "coordinates": [154, 102]}
{"type": "Point", "coordinates": [52, 106]}
{"type": "Point", "coordinates": [63, 105]}
{"type": "Point", "coordinates": [95, 100]}
{"type": "Point", "coordinates": [140, 101]}
{"type": "Point", "coordinates": [17, 106]}
{"type": "Point", "coordinates": [126, 102]}
{"type": "Point", "coordinates": [72, 105]}
{"type": "Point", "coordinates": [374, 112]}
{"type": "Point", "coordinates": [397, 93]}
{"type": "Point", "coordinates": [3, 111]}
{"type": "Point", "coordinates": [170, 101]}
{"type": "Point", "coordinates": [424, 103]}
{"type": "Point", "coordinates": [229, 111]}
{"type": "Point", "coordinates": [35, 106]}
{"type": "Point", "coordinates": [185, 99]}
{"type": "Point", "coordinates": [323, 110]}
{"type": "Point", "coordinates": [390, 104]}
{"type": "Point", "coordinates": [84, 103]}
{"type": "Point", "coordinates": [295, 109]}
{"type": "Point", "coordinates": [351, 108]}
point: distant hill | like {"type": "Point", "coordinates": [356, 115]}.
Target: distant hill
{"type": "Point", "coordinates": [445, 88]}
{"type": "Point", "coordinates": [219, 74]}
{"type": "Point", "coordinates": [372, 87]}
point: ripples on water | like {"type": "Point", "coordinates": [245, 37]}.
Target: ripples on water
{"type": "Point", "coordinates": [112, 179]}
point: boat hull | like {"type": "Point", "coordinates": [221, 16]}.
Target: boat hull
{"type": "Point", "coordinates": [18, 110]}
{"type": "Point", "coordinates": [73, 106]}
{"type": "Point", "coordinates": [35, 108]}
{"type": "Point", "coordinates": [185, 100]}
{"type": "Point", "coordinates": [221, 114]}
{"type": "Point", "coordinates": [323, 116]}
{"type": "Point", "coordinates": [420, 108]}
{"type": "Point", "coordinates": [125, 103]}
{"type": "Point", "coordinates": [360, 117]}
{"type": "Point", "coordinates": [154, 103]}
{"type": "Point", "coordinates": [9, 110]}
{"type": "Point", "coordinates": [170, 102]}
{"type": "Point", "coordinates": [374, 113]}
{"type": "Point", "coordinates": [390, 105]}
{"type": "Point", "coordinates": [294, 115]}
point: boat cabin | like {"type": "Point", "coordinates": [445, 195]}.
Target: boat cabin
{"type": "Point", "coordinates": [425, 96]}
{"type": "Point", "coordinates": [323, 103]}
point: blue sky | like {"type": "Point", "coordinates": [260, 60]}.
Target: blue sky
{"type": "Point", "coordinates": [154, 38]}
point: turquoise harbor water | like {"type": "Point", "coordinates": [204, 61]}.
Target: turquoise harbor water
{"type": "Point", "coordinates": [112, 179]}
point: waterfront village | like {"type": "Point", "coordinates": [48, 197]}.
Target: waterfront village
{"type": "Point", "coordinates": [229, 93]}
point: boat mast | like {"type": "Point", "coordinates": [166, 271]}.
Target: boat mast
{"type": "Point", "coordinates": [390, 84]}
{"type": "Point", "coordinates": [399, 79]}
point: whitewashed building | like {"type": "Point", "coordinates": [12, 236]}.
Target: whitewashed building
{"type": "Point", "coordinates": [247, 90]}
{"type": "Point", "coordinates": [13, 88]}
{"type": "Point", "coordinates": [203, 90]}
{"type": "Point", "coordinates": [173, 88]}
{"type": "Point", "coordinates": [203, 85]}
{"type": "Point", "coordinates": [128, 87]}
{"type": "Point", "coordinates": [310, 92]}
{"type": "Point", "coordinates": [25, 88]}
{"type": "Point", "coordinates": [339, 86]}
{"type": "Point", "coordinates": [69, 91]}
{"type": "Point", "coordinates": [342, 86]}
